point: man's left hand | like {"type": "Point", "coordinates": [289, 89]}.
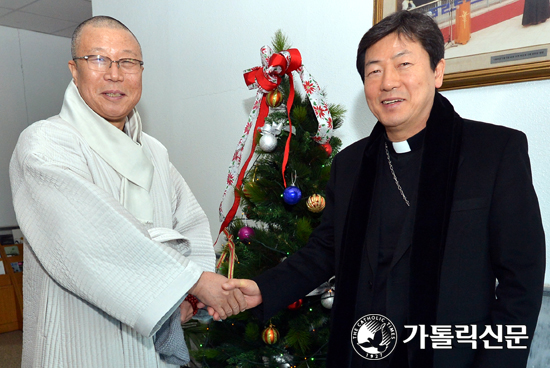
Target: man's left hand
{"type": "Point", "coordinates": [186, 311]}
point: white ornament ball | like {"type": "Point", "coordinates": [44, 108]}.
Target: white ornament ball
{"type": "Point", "coordinates": [268, 142]}
{"type": "Point", "coordinates": [327, 299]}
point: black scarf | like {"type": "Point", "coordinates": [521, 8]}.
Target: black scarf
{"type": "Point", "coordinates": [435, 194]}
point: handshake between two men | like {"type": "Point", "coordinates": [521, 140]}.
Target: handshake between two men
{"type": "Point", "coordinates": [222, 297]}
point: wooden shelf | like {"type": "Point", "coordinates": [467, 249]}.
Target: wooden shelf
{"type": "Point", "coordinates": [11, 291]}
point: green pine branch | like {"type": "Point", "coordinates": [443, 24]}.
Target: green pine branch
{"type": "Point", "coordinates": [280, 42]}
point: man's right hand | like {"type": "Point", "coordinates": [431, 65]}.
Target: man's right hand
{"type": "Point", "coordinates": [249, 289]}
{"type": "Point", "coordinates": [224, 303]}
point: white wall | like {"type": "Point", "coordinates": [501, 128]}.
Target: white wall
{"type": "Point", "coordinates": [195, 100]}
{"type": "Point", "coordinates": [34, 76]}
{"type": "Point", "coordinates": [196, 103]}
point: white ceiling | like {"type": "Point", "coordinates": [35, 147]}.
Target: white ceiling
{"type": "Point", "coordinates": [56, 17]}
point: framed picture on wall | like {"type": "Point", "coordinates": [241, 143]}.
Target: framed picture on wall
{"type": "Point", "coordinates": [487, 42]}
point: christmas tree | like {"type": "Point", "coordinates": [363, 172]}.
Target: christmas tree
{"type": "Point", "coordinates": [274, 222]}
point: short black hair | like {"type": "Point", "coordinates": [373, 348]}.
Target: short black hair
{"type": "Point", "coordinates": [415, 26]}
{"type": "Point", "coordinates": [99, 21]}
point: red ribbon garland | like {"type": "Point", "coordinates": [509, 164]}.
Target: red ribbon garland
{"type": "Point", "coordinates": [278, 67]}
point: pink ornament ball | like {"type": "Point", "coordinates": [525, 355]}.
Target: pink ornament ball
{"type": "Point", "coordinates": [245, 233]}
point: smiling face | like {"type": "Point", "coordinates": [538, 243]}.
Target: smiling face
{"type": "Point", "coordinates": [400, 85]}
{"type": "Point", "coordinates": [111, 94]}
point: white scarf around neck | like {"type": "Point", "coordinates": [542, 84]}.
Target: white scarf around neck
{"type": "Point", "coordinates": [122, 152]}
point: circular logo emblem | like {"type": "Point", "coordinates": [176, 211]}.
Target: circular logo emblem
{"type": "Point", "coordinates": [373, 337]}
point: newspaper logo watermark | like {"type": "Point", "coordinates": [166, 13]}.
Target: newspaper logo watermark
{"type": "Point", "coordinates": [491, 336]}
{"type": "Point", "coordinates": [373, 337]}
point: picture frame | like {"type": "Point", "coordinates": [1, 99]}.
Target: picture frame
{"type": "Point", "coordinates": [528, 62]}
{"type": "Point", "coordinates": [11, 251]}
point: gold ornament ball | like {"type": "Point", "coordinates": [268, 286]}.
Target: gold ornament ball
{"type": "Point", "coordinates": [270, 335]}
{"type": "Point", "coordinates": [274, 98]}
{"type": "Point", "coordinates": [315, 203]}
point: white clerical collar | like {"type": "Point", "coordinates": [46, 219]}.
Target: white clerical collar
{"type": "Point", "coordinates": [401, 147]}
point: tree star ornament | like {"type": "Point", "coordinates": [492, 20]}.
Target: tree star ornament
{"type": "Point", "coordinates": [315, 203]}
{"type": "Point", "coordinates": [270, 335]}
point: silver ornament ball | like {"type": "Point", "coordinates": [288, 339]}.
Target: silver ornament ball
{"type": "Point", "coordinates": [268, 142]}
{"type": "Point", "coordinates": [327, 299]}
{"type": "Point", "coordinates": [283, 361]}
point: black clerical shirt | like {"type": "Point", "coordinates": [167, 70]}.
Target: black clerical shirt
{"type": "Point", "coordinates": [394, 217]}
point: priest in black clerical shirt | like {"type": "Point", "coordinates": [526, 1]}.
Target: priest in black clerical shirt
{"type": "Point", "coordinates": [431, 225]}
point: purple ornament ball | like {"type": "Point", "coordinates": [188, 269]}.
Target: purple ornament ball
{"type": "Point", "coordinates": [292, 195]}
{"type": "Point", "coordinates": [245, 233]}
